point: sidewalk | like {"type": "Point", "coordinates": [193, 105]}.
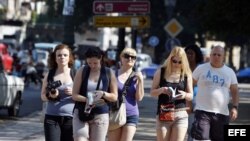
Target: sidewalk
{"type": "Point", "coordinates": [31, 128]}
{"type": "Point", "coordinates": [25, 129]}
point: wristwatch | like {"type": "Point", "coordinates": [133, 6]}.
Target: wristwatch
{"type": "Point", "coordinates": [235, 107]}
{"type": "Point", "coordinates": [103, 94]}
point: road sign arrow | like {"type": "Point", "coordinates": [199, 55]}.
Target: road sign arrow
{"type": "Point", "coordinates": [142, 20]}
{"type": "Point", "coordinates": [100, 7]}
{"type": "Point", "coordinates": [112, 6]}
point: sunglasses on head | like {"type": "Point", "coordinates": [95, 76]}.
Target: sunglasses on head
{"type": "Point", "coordinates": [127, 56]}
{"type": "Point", "coordinates": [175, 61]}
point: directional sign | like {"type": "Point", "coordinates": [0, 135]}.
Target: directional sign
{"type": "Point", "coordinates": [153, 41]}
{"type": "Point", "coordinates": [173, 27]}
{"type": "Point", "coordinates": [122, 21]}
{"type": "Point", "coordinates": [102, 7]}
{"type": "Point", "coordinates": [171, 43]}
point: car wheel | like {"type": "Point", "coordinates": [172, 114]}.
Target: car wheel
{"type": "Point", "coordinates": [15, 108]}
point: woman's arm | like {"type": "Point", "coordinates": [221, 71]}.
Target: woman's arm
{"type": "Point", "coordinates": [113, 94]}
{"type": "Point", "coordinates": [155, 89]}
{"type": "Point", "coordinates": [139, 86]}
{"type": "Point", "coordinates": [189, 91]}
{"type": "Point", "coordinates": [76, 87]}
{"type": "Point", "coordinates": [44, 85]}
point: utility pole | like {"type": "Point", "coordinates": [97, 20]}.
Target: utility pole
{"type": "Point", "coordinates": [170, 5]}
{"type": "Point", "coordinates": [68, 19]}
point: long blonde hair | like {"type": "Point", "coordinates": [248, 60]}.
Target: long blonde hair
{"type": "Point", "coordinates": [179, 52]}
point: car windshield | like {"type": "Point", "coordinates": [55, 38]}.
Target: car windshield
{"type": "Point", "coordinates": [41, 56]}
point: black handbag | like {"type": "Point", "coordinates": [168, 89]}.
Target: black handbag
{"type": "Point", "coordinates": [83, 116]}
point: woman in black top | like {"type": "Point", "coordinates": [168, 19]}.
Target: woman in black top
{"type": "Point", "coordinates": [174, 76]}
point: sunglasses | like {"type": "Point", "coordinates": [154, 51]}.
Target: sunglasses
{"type": "Point", "coordinates": [127, 56]}
{"type": "Point", "coordinates": [175, 61]}
{"type": "Point", "coordinates": [216, 54]}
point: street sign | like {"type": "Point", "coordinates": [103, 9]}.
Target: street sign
{"type": "Point", "coordinates": [173, 27]}
{"type": "Point", "coordinates": [171, 43]}
{"type": "Point", "coordinates": [122, 21]}
{"type": "Point", "coordinates": [153, 41]}
{"type": "Point", "coordinates": [102, 7]}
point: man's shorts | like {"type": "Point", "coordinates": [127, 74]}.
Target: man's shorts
{"type": "Point", "coordinates": [209, 126]}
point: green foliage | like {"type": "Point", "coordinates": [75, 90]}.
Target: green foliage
{"type": "Point", "coordinates": [226, 19]}
{"type": "Point", "coordinates": [54, 13]}
{"type": "Point", "coordinates": [83, 12]}
{"type": "Point", "coordinates": [2, 13]}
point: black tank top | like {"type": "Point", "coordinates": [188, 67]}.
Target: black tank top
{"type": "Point", "coordinates": [165, 99]}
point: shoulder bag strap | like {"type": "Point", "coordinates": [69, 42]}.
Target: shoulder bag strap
{"type": "Point", "coordinates": [99, 81]}
{"type": "Point", "coordinates": [126, 84]}
{"type": "Point", "coordinates": [185, 82]}
{"type": "Point", "coordinates": [72, 73]}
{"type": "Point", "coordinates": [162, 76]}
{"type": "Point", "coordinates": [51, 75]}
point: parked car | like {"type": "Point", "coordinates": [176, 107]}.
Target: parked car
{"type": "Point", "coordinates": [143, 60]}
{"type": "Point", "coordinates": [148, 72]}
{"type": "Point", "coordinates": [84, 46]}
{"type": "Point", "coordinates": [12, 88]}
{"type": "Point", "coordinates": [46, 46]}
{"type": "Point", "coordinates": [243, 75]}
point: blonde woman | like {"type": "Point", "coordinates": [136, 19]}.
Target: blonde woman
{"type": "Point", "coordinates": [172, 74]}
{"type": "Point", "coordinates": [135, 92]}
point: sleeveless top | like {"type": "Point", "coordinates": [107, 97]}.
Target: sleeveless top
{"type": "Point", "coordinates": [165, 99]}
{"type": "Point", "coordinates": [88, 85]}
{"type": "Point", "coordinates": [65, 106]}
{"type": "Point", "coordinates": [131, 103]}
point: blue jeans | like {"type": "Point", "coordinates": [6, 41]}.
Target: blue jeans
{"type": "Point", "coordinates": [58, 128]}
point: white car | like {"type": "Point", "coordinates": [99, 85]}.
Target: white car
{"type": "Point", "coordinates": [11, 88]}
{"type": "Point", "coordinates": [46, 46]}
{"type": "Point", "coordinates": [143, 60]}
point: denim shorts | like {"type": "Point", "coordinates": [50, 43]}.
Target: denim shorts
{"type": "Point", "coordinates": [209, 126]}
{"type": "Point", "coordinates": [132, 120]}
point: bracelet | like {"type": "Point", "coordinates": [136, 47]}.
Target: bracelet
{"type": "Point", "coordinates": [235, 107]}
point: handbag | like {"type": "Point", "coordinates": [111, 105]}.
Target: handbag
{"type": "Point", "coordinates": [167, 112]}
{"type": "Point", "coordinates": [118, 118]}
{"type": "Point", "coordinates": [84, 116]}
{"type": "Point", "coordinates": [117, 115]}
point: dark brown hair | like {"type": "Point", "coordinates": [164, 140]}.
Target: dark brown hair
{"type": "Point", "coordinates": [52, 57]}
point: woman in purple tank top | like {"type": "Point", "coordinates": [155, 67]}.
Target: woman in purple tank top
{"type": "Point", "coordinates": [135, 92]}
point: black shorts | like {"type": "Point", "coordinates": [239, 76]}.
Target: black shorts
{"type": "Point", "coordinates": [208, 126]}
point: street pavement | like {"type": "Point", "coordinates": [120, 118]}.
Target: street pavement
{"type": "Point", "coordinates": [30, 128]}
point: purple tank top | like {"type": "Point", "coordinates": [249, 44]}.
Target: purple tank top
{"type": "Point", "coordinates": [131, 102]}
